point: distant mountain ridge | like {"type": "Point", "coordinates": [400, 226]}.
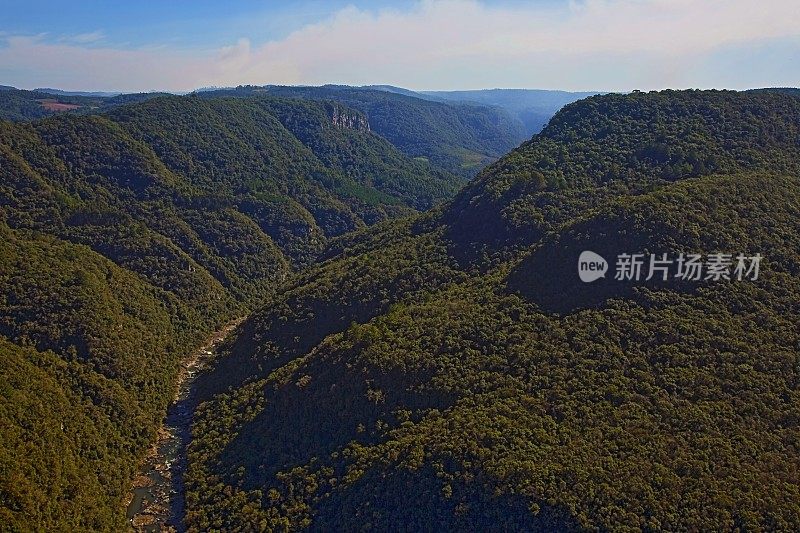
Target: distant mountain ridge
{"type": "Point", "coordinates": [59, 92]}
{"type": "Point", "coordinates": [459, 131]}
{"type": "Point", "coordinates": [455, 137]}
{"type": "Point", "coordinates": [460, 138]}
{"type": "Point", "coordinates": [475, 129]}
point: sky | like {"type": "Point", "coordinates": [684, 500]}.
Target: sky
{"type": "Point", "coordinates": [580, 45]}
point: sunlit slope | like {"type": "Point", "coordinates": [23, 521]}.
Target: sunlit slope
{"type": "Point", "coordinates": [126, 238]}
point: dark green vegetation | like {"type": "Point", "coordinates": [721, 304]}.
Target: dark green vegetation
{"type": "Point", "coordinates": [89, 350]}
{"type": "Point", "coordinates": [794, 91]}
{"type": "Point", "coordinates": [459, 137]}
{"type": "Point", "coordinates": [622, 144]}
{"type": "Point", "coordinates": [453, 136]}
{"type": "Point", "coordinates": [18, 105]}
{"type": "Point", "coordinates": [125, 238]}
{"type": "Point", "coordinates": [449, 371]}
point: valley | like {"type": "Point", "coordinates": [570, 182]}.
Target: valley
{"type": "Point", "coordinates": [129, 237]}
{"type": "Point", "coordinates": [419, 352]}
{"type": "Point", "coordinates": [156, 500]}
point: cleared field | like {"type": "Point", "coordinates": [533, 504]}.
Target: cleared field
{"type": "Point", "coordinates": [55, 105]}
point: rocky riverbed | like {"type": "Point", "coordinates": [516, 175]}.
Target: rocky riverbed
{"type": "Point", "coordinates": [157, 498]}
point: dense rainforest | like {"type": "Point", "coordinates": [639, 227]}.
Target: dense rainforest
{"type": "Point", "coordinates": [420, 353]}
{"type": "Point", "coordinates": [130, 235]}
{"type": "Point", "coordinates": [454, 136]}
{"type": "Point", "coordinates": [461, 137]}
{"type": "Point", "coordinates": [449, 370]}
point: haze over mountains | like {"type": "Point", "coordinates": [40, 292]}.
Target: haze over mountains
{"type": "Point", "coordinates": [419, 352]}
{"type": "Point", "coordinates": [532, 107]}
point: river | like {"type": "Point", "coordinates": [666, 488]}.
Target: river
{"type": "Point", "coordinates": [157, 496]}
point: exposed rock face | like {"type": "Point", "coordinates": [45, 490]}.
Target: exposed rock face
{"type": "Point", "coordinates": [343, 117]}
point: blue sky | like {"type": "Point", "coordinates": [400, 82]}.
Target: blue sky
{"type": "Point", "coordinates": [196, 23]}
{"type": "Point", "coordinates": [420, 44]}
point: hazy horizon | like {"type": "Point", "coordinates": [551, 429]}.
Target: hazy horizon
{"type": "Point", "coordinates": [378, 85]}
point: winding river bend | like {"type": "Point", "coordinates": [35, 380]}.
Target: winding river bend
{"type": "Point", "coordinates": [157, 496]}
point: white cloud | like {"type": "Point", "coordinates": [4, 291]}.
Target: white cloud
{"type": "Point", "coordinates": [36, 62]}
{"type": "Point", "coordinates": [592, 44]}
{"type": "Point", "coordinates": [86, 38]}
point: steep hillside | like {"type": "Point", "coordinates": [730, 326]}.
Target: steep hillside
{"type": "Point", "coordinates": [435, 374]}
{"type": "Point", "coordinates": [89, 353]}
{"type": "Point", "coordinates": [126, 239]}
{"type": "Point", "coordinates": [609, 145]}
{"type": "Point", "coordinates": [458, 137]}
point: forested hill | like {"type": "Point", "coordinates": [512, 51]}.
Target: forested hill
{"type": "Point", "coordinates": [431, 374]}
{"type": "Point", "coordinates": [129, 236]}
{"type": "Point", "coordinates": [613, 144]}
{"type": "Point", "coordinates": [18, 105]}
{"type": "Point", "coordinates": [459, 137]}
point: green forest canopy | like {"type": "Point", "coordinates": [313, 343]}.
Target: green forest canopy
{"type": "Point", "coordinates": [129, 236]}
{"type": "Point", "coordinates": [419, 378]}
{"type": "Point", "coordinates": [402, 369]}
